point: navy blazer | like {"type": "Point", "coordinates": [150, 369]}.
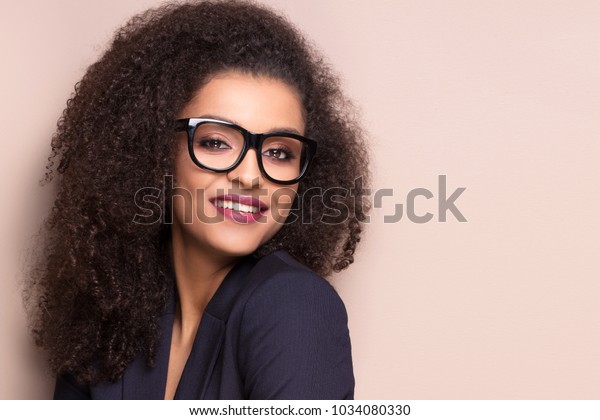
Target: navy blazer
{"type": "Point", "coordinates": [273, 330]}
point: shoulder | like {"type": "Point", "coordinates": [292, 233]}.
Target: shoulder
{"type": "Point", "coordinates": [293, 338]}
{"type": "Point", "coordinates": [283, 282]}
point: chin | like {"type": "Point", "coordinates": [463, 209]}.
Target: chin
{"type": "Point", "coordinates": [235, 250]}
{"type": "Point", "coordinates": [236, 246]}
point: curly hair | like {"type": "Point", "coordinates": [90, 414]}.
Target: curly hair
{"type": "Point", "coordinates": [101, 285]}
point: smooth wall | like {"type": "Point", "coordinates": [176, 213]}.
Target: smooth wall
{"type": "Point", "coordinates": [501, 97]}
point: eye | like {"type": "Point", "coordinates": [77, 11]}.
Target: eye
{"type": "Point", "coordinates": [278, 154]}
{"type": "Point", "coordinates": [213, 144]}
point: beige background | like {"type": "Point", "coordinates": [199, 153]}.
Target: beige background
{"type": "Point", "coordinates": [501, 96]}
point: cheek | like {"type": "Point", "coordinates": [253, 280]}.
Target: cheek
{"type": "Point", "coordinates": [190, 188]}
{"type": "Point", "coordinates": [281, 202]}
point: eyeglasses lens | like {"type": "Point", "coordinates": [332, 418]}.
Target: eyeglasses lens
{"type": "Point", "coordinates": [218, 146]}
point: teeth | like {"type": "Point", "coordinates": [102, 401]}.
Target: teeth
{"type": "Point", "coordinates": [232, 205]}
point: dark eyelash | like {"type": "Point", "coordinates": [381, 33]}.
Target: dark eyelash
{"type": "Point", "coordinates": [203, 141]}
{"type": "Point", "coordinates": [286, 150]}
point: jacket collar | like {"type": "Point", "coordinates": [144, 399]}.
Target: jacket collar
{"type": "Point", "coordinates": [143, 382]}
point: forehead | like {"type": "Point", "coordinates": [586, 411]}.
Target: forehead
{"type": "Point", "coordinates": [258, 103]}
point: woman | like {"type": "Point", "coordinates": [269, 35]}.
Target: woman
{"type": "Point", "coordinates": [207, 179]}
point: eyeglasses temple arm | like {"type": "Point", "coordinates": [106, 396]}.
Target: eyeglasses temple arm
{"type": "Point", "coordinates": [181, 125]}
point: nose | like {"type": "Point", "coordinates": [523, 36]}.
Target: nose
{"type": "Point", "coordinates": [247, 173]}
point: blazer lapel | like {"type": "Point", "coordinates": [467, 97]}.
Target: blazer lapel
{"type": "Point", "coordinates": [142, 382]}
{"type": "Point", "coordinates": [209, 338]}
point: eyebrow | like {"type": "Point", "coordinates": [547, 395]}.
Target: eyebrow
{"type": "Point", "coordinates": [272, 130]}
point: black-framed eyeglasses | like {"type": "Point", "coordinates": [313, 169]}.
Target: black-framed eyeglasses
{"type": "Point", "coordinates": [220, 146]}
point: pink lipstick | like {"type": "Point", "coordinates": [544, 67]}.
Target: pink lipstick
{"type": "Point", "coordinates": [240, 208]}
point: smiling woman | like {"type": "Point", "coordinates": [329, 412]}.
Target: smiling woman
{"type": "Point", "coordinates": [235, 170]}
{"type": "Point", "coordinates": [228, 303]}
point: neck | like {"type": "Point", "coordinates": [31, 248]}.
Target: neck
{"type": "Point", "coordinates": [198, 274]}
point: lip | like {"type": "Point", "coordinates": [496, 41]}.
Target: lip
{"type": "Point", "coordinates": [238, 216]}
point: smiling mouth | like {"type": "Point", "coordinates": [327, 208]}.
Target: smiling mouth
{"type": "Point", "coordinates": [232, 205]}
{"type": "Point", "coordinates": [240, 203]}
